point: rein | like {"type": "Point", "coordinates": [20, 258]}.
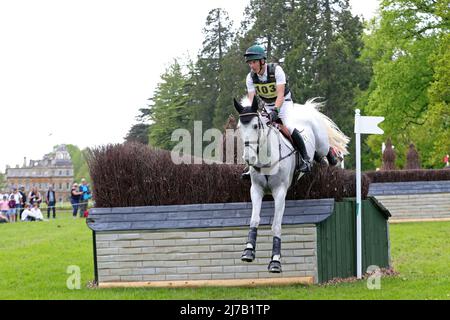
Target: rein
{"type": "Point", "coordinates": [250, 144]}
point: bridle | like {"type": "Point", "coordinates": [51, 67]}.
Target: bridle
{"type": "Point", "coordinates": [251, 144]}
{"type": "Point", "coordinates": [261, 129]}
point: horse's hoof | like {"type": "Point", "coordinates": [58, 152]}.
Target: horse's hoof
{"type": "Point", "coordinates": [275, 266]}
{"type": "Point", "coordinates": [248, 255]}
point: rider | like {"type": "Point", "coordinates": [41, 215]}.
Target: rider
{"type": "Point", "coordinates": [268, 82]}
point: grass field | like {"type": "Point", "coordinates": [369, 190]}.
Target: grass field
{"type": "Point", "coordinates": [34, 258]}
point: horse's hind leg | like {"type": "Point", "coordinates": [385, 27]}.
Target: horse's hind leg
{"type": "Point", "coordinates": [279, 196]}
{"type": "Point", "coordinates": [257, 194]}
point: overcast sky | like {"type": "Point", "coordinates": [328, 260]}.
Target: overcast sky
{"type": "Point", "coordinates": [77, 72]}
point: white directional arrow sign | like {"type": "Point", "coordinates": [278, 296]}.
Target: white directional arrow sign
{"type": "Point", "coordinates": [363, 125]}
{"type": "Point", "coordinates": [368, 125]}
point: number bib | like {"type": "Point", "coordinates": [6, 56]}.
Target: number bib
{"type": "Point", "coordinates": [266, 90]}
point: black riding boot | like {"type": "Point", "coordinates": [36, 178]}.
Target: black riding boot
{"type": "Point", "coordinates": [275, 263]}
{"type": "Point", "coordinates": [249, 251]}
{"type": "Point", "coordinates": [305, 165]}
{"type": "Point", "coordinates": [246, 174]}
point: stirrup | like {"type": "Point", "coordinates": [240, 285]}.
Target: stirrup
{"type": "Point", "coordinates": [305, 167]}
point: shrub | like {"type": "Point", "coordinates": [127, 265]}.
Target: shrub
{"type": "Point", "coordinates": [134, 174]}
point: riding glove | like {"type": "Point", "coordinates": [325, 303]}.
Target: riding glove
{"type": "Point", "coordinates": [274, 116]}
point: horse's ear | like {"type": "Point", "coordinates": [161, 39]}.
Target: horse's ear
{"type": "Point", "coordinates": [238, 106]}
{"type": "Point", "coordinates": [255, 105]}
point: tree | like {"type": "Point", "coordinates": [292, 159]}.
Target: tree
{"type": "Point", "coordinates": [80, 167]}
{"type": "Point", "coordinates": [168, 111]}
{"type": "Point", "coordinates": [205, 74]}
{"type": "Point", "coordinates": [324, 59]}
{"type": "Point", "coordinates": [138, 133]}
{"type": "Point", "coordinates": [399, 48]}
{"type": "Point", "coordinates": [2, 181]}
{"type": "Point", "coordinates": [438, 120]}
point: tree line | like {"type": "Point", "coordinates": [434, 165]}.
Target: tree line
{"type": "Point", "coordinates": [396, 66]}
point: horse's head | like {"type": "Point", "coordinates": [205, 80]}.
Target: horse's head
{"type": "Point", "coordinates": [250, 126]}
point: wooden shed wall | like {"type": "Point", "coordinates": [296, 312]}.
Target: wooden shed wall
{"type": "Point", "coordinates": [336, 240]}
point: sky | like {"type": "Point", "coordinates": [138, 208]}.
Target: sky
{"type": "Point", "coordinates": [78, 71]}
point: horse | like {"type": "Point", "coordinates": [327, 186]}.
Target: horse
{"type": "Point", "coordinates": [272, 160]}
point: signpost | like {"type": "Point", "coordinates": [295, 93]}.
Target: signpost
{"type": "Point", "coordinates": [363, 125]}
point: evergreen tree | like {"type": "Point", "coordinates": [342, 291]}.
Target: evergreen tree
{"type": "Point", "coordinates": [206, 72]}
{"type": "Point", "coordinates": [138, 133]}
{"type": "Point", "coordinates": [168, 111]}
{"type": "Point", "coordinates": [323, 61]}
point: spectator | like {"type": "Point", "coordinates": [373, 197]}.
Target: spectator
{"type": "Point", "coordinates": [26, 214]}
{"type": "Point", "coordinates": [86, 195]}
{"type": "Point", "coordinates": [3, 219]}
{"type": "Point", "coordinates": [15, 203]}
{"type": "Point", "coordinates": [36, 212]}
{"type": "Point", "coordinates": [34, 196]}
{"type": "Point", "coordinates": [50, 200]}
{"type": "Point", "coordinates": [4, 206]}
{"type": "Point", "coordinates": [75, 196]}
{"type": "Point", "coordinates": [12, 208]}
{"type": "Point", "coordinates": [23, 200]}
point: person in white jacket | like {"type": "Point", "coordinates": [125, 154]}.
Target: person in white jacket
{"type": "Point", "coordinates": [34, 214]}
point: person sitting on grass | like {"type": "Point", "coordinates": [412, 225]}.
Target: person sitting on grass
{"type": "Point", "coordinates": [27, 215]}
{"type": "Point", "coordinates": [34, 214]}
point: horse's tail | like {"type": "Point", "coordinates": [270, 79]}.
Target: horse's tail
{"type": "Point", "coordinates": [336, 137]}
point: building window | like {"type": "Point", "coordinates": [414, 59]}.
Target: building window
{"type": "Point", "coordinates": [60, 172]}
{"type": "Point", "coordinates": [68, 186]}
{"type": "Point", "coordinates": [60, 186]}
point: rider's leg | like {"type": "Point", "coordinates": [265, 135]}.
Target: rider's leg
{"type": "Point", "coordinates": [286, 115]}
{"type": "Point", "coordinates": [305, 166]}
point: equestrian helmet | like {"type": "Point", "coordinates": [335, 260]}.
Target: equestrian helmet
{"type": "Point", "coordinates": [255, 53]}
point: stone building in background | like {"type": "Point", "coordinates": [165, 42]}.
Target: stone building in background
{"type": "Point", "coordinates": [55, 169]}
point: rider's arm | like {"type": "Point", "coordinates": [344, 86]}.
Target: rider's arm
{"type": "Point", "coordinates": [280, 96]}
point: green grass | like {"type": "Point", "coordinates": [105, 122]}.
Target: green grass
{"type": "Point", "coordinates": [34, 258]}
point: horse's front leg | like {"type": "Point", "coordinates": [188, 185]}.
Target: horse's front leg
{"type": "Point", "coordinates": [257, 194]}
{"type": "Point", "coordinates": [279, 195]}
